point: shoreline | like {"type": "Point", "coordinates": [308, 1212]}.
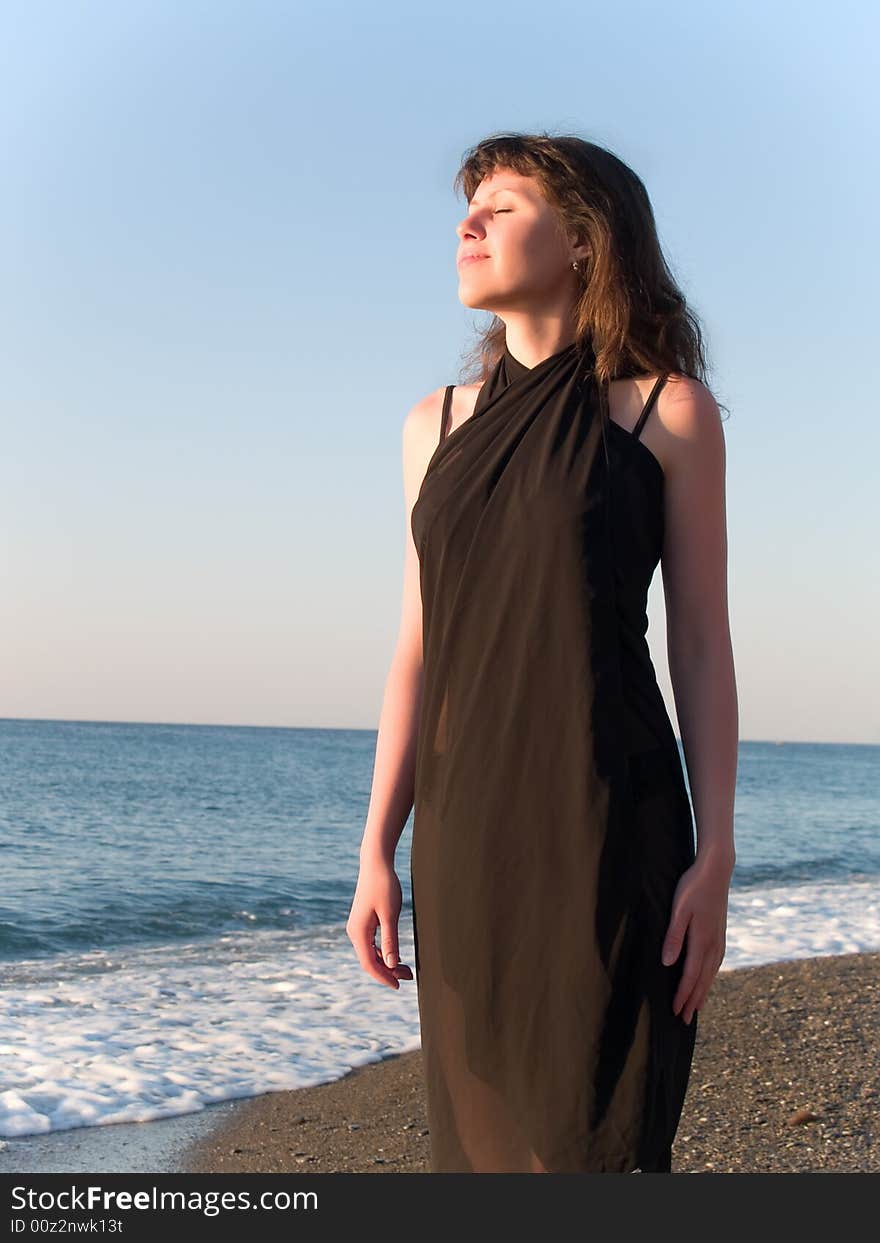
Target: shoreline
{"type": "Point", "coordinates": [784, 1079]}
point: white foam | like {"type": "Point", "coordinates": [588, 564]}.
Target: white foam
{"type": "Point", "coordinates": [92, 1039]}
{"type": "Point", "coordinates": [769, 924]}
{"type": "Point", "coordinates": [155, 1032]}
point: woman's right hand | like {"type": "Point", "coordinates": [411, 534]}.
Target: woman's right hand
{"type": "Point", "coordinates": [377, 903]}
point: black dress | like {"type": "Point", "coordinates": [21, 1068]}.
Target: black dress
{"type": "Point", "coordinates": [551, 816]}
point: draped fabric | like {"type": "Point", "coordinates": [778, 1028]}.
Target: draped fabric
{"type": "Point", "coordinates": [548, 833]}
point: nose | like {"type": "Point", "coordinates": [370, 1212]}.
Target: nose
{"type": "Point", "coordinates": [470, 227]}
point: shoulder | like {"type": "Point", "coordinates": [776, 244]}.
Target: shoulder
{"type": "Point", "coordinates": [688, 404]}
{"type": "Point", "coordinates": [421, 423]}
{"type": "Point", "coordinates": [690, 420]}
{"type": "Point", "coordinates": [421, 431]}
{"type": "Point", "coordinates": [419, 417]}
{"type": "Point", "coordinates": [420, 435]}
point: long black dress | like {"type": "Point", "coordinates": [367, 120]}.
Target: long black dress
{"type": "Point", "coordinates": [551, 817]}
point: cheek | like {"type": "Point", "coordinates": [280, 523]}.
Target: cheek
{"type": "Point", "coordinates": [544, 255]}
{"type": "Point", "coordinates": [540, 235]}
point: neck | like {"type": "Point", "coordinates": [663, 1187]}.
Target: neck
{"type": "Point", "coordinates": [532, 340]}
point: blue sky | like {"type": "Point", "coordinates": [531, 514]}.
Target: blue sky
{"type": "Point", "coordinates": [228, 243]}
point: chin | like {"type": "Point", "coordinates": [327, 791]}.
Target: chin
{"type": "Point", "coordinates": [473, 303]}
{"type": "Point", "coordinates": [476, 299]}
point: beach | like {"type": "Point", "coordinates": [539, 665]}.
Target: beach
{"type": "Point", "coordinates": [785, 1079]}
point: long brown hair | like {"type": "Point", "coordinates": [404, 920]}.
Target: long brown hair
{"type": "Point", "coordinates": [629, 306]}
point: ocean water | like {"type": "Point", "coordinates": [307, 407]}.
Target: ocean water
{"type": "Point", "coordinates": [173, 903]}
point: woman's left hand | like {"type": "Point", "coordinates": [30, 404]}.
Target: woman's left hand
{"type": "Point", "coordinates": [699, 909]}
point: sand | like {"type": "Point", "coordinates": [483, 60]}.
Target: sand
{"type": "Point", "coordinates": [786, 1078]}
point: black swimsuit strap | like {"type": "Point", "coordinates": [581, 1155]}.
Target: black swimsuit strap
{"type": "Point", "coordinates": [655, 393]}
{"type": "Point", "coordinates": [447, 406]}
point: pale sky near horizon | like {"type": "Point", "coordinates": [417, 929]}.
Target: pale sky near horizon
{"type": "Point", "coordinates": [228, 244]}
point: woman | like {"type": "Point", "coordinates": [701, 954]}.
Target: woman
{"type": "Point", "coordinates": [567, 929]}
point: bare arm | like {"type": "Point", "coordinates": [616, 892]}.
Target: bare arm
{"type": "Point", "coordinates": [378, 899]}
{"type": "Point", "coordinates": [698, 628]}
{"type": "Point", "coordinates": [391, 798]}
{"type": "Point", "coordinates": [701, 666]}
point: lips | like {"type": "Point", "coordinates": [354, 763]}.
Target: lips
{"type": "Point", "coordinates": [470, 259]}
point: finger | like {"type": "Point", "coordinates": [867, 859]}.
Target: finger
{"type": "Point", "coordinates": [700, 988]}
{"type": "Point", "coordinates": [363, 938]}
{"type": "Point", "coordinates": [693, 966]}
{"type": "Point", "coordinates": [700, 992]}
{"type": "Point", "coordinates": [380, 971]}
{"type": "Point", "coordinates": [674, 939]}
{"type": "Point", "coordinates": [390, 951]}
{"type": "Point", "coordinates": [389, 975]}
{"type": "Point", "coordinates": [387, 953]}
{"type": "Point", "coordinates": [389, 941]}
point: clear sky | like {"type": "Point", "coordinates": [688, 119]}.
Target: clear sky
{"type": "Point", "coordinates": [228, 266]}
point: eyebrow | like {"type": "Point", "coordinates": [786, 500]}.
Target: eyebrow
{"type": "Point", "coordinates": [492, 193]}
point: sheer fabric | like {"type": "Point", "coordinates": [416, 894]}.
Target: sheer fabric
{"type": "Point", "coordinates": [551, 817]}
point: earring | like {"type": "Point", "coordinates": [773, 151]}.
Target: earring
{"type": "Point", "coordinates": [575, 265]}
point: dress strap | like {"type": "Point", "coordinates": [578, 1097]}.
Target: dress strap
{"type": "Point", "coordinates": [444, 417]}
{"type": "Point", "coordinates": [654, 394]}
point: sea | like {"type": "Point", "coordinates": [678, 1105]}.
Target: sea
{"type": "Point", "coordinates": [173, 901]}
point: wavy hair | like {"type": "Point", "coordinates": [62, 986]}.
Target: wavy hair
{"type": "Point", "coordinates": [629, 305]}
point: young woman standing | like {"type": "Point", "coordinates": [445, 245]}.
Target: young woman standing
{"type": "Point", "coordinates": [567, 926]}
